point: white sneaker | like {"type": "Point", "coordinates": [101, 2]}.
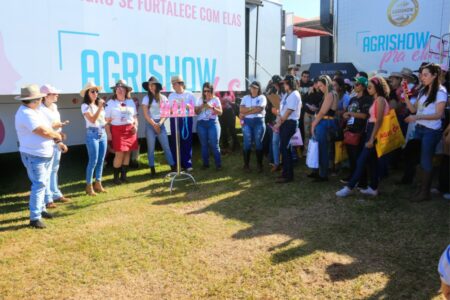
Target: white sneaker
{"type": "Point", "coordinates": [344, 192]}
{"type": "Point", "coordinates": [369, 192]}
{"type": "Point", "coordinates": [190, 169]}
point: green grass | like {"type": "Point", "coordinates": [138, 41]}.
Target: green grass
{"type": "Point", "coordinates": [234, 236]}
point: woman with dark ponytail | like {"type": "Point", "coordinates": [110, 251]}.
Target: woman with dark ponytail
{"type": "Point", "coordinates": [154, 127]}
{"type": "Point", "coordinates": [427, 112]}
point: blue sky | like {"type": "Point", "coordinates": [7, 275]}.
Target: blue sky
{"type": "Point", "coordinates": [303, 8]}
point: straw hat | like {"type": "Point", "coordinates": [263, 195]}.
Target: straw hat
{"type": "Point", "coordinates": [49, 89]}
{"type": "Point", "coordinates": [122, 83]}
{"type": "Point", "coordinates": [177, 78]}
{"type": "Point", "coordinates": [407, 73]}
{"type": "Point", "coordinates": [30, 92]}
{"type": "Point", "coordinates": [151, 80]}
{"type": "Point", "coordinates": [88, 86]}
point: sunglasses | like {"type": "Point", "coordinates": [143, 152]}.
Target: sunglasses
{"type": "Point", "coordinates": [357, 84]}
{"type": "Point", "coordinates": [206, 91]}
{"type": "Point", "coordinates": [93, 91]}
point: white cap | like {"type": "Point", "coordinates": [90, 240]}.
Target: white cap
{"type": "Point", "coordinates": [444, 266]}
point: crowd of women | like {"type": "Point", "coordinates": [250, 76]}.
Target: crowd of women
{"type": "Point", "coordinates": [325, 110]}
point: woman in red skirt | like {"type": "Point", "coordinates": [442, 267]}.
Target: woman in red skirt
{"type": "Point", "coordinates": [121, 129]}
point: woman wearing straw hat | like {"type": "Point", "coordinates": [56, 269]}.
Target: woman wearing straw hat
{"type": "Point", "coordinates": [121, 128]}
{"type": "Point", "coordinates": [50, 111]}
{"type": "Point", "coordinates": [184, 124]}
{"type": "Point", "coordinates": [93, 110]}
{"type": "Point", "coordinates": [154, 128]}
{"type": "Point", "coordinates": [36, 146]}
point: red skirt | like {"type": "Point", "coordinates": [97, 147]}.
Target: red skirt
{"type": "Point", "coordinates": [122, 138]}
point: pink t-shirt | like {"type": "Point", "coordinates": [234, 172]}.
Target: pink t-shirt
{"type": "Point", "coordinates": [373, 113]}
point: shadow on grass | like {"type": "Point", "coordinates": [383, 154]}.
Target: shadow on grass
{"type": "Point", "coordinates": [384, 235]}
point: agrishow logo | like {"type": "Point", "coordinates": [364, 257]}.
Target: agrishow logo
{"type": "Point", "coordinates": [403, 12]}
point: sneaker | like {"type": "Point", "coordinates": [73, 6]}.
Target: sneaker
{"type": "Point", "coordinates": [37, 224]}
{"type": "Point", "coordinates": [190, 169]}
{"type": "Point", "coordinates": [50, 205]}
{"type": "Point", "coordinates": [369, 192]}
{"type": "Point", "coordinates": [344, 192]}
{"type": "Point", "coordinates": [46, 215]}
{"type": "Point", "coordinates": [446, 196]}
{"type": "Point", "coordinates": [218, 168]}
{"type": "Point", "coordinates": [345, 180]}
{"type": "Point", "coordinates": [205, 167]}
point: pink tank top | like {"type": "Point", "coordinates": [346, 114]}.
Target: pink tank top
{"type": "Point", "coordinates": [373, 110]}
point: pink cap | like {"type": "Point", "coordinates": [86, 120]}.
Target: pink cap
{"type": "Point", "coordinates": [49, 89]}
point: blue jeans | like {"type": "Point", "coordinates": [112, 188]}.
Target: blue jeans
{"type": "Point", "coordinates": [368, 156]}
{"type": "Point", "coordinates": [209, 133]}
{"type": "Point", "coordinates": [276, 148]}
{"type": "Point", "coordinates": [324, 132]}
{"type": "Point", "coordinates": [287, 130]}
{"type": "Point", "coordinates": [38, 169]}
{"type": "Point", "coordinates": [253, 131]}
{"type": "Point", "coordinates": [52, 191]}
{"type": "Point", "coordinates": [185, 130]}
{"type": "Point", "coordinates": [96, 144]}
{"type": "Point", "coordinates": [163, 141]}
{"type": "Point", "coordinates": [429, 138]}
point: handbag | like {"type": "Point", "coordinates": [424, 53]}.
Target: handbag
{"type": "Point", "coordinates": [296, 140]}
{"type": "Point", "coordinates": [340, 152]}
{"type": "Point", "coordinates": [352, 138]}
{"type": "Point", "coordinates": [389, 136]}
{"type": "Point", "coordinates": [312, 157]}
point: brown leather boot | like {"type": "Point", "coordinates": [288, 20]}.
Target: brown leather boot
{"type": "Point", "coordinates": [98, 187]}
{"type": "Point", "coordinates": [90, 190]}
{"type": "Point", "coordinates": [424, 192]}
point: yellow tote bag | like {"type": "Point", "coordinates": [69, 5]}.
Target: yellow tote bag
{"type": "Point", "coordinates": [340, 152]}
{"type": "Point", "coordinates": [389, 136]}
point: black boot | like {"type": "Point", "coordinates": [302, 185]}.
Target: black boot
{"type": "Point", "coordinates": [123, 174]}
{"type": "Point", "coordinates": [247, 160]}
{"type": "Point", "coordinates": [173, 168]}
{"type": "Point", "coordinates": [152, 171]}
{"type": "Point", "coordinates": [259, 160]}
{"type": "Point", "coordinates": [424, 193]}
{"type": "Point", "coordinates": [116, 176]}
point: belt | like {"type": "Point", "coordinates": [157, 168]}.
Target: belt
{"type": "Point", "coordinates": [96, 128]}
{"type": "Point", "coordinates": [328, 118]}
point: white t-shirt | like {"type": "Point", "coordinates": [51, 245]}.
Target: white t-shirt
{"type": "Point", "coordinates": [155, 109]}
{"type": "Point", "coordinates": [430, 109]}
{"type": "Point", "coordinates": [52, 114]}
{"type": "Point", "coordinates": [292, 102]}
{"type": "Point", "coordinates": [27, 120]}
{"type": "Point", "coordinates": [120, 113]}
{"type": "Point", "coordinates": [92, 108]}
{"type": "Point", "coordinates": [260, 101]}
{"type": "Point", "coordinates": [208, 114]}
{"type": "Point", "coordinates": [187, 97]}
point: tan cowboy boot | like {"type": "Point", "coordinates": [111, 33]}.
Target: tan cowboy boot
{"type": "Point", "coordinates": [90, 190]}
{"type": "Point", "coordinates": [98, 187]}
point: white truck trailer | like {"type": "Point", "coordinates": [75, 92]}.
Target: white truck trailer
{"type": "Point", "coordinates": [66, 43]}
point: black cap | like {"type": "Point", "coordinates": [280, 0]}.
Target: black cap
{"type": "Point", "coordinates": [289, 79]}
{"type": "Point", "coordinates": [276, 79]}
{"type": "Point", "coordinates": [256, 84]}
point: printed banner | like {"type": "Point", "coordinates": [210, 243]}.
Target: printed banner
{"type": "Point", "coordinates": [392, 34]}
{"type": "Point", "coordinates": [66, 43]}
